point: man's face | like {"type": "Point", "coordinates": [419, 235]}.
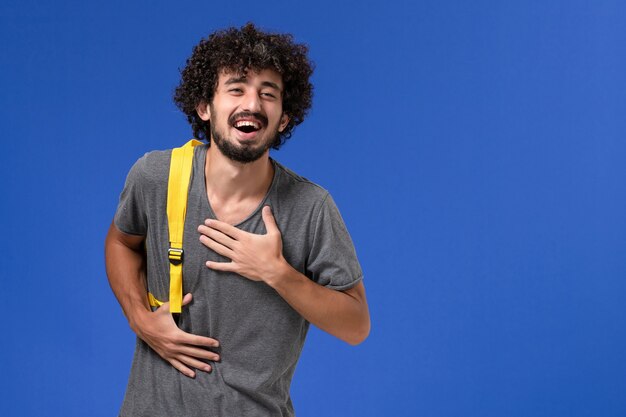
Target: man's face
{"type": "Point", "coordinates": [246, 114]}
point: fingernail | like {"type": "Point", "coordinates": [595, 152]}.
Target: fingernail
{"type": "Point", "coordinates": [207, 369]}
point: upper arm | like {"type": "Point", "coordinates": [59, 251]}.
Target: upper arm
{"type": "Point", "coordinates": [332, 260]}
{"type": "Point", "coordinates": [116, 236]}
{"type": "Point", "coordinates": [358, 293]}
{"type": "Point", "coordinates": [363, 328]}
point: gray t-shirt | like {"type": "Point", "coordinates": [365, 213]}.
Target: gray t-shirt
{"type": "Point", "coordinates": [260, 335]}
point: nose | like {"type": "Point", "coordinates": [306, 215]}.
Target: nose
{"type": "Point", "coordinates": [252, 102]}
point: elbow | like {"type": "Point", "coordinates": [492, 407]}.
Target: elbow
{"type": "Point", "coordinates": [359, 334]}
{"type": "Point", "coordinates": [359, 328]}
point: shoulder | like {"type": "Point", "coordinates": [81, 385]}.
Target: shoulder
{"type": "Point", "coordinates": [154, 162]}
{"type": "Point", "coordinates": [152, 168]}
{"type": "Point", "coordinates": [300, 188]}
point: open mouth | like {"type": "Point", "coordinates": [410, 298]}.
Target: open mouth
{"type": "Point", "coordinates": [247, 126]}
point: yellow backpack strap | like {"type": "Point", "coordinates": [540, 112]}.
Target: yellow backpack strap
{"type": "Point", "coordinates": [153, 301]}
{"type": "Point", "coordinates": [177, 189]}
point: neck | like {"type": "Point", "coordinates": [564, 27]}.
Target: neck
{"type": "Point", "coordinates": [228, 180]}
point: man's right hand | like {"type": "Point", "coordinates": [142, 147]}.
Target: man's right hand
{"type": "Point", "coordinates": [181, 349]}
{"type": "Point", "coordinates": [126, 268]}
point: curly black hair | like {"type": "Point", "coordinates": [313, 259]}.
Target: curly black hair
{"type": "Point", "coordinates": [240, 50]}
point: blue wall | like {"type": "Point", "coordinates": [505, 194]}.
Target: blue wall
{"type": "Point", "coordinates": [475, 149]}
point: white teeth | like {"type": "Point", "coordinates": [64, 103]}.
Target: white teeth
{"type": "Point", "coordinates": [247, 123]}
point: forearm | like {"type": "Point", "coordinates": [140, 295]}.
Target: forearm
{"type": "Point", "coordinates": [343, 314]}
{"type": "Point", "coordinates": [125, 267]}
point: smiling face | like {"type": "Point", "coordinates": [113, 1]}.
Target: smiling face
{"type": "Point", "coordinates": [246, 114]}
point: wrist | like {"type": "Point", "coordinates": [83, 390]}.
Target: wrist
{"type": "Point", "coordinates": [136, 319]}
{"type": "Point", "coordinates": [280, 273]}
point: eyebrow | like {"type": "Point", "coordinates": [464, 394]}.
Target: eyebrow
{"type": "Point", "coordinates": [270, 84]}
{"type": "Point", "coordinates": [236, 80]}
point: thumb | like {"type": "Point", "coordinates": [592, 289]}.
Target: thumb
{"type": "Point", "coordinates": [187, 299]}
{"type": "Point", "coordinates": [165, 307]}
{"type": "Point", "coordinates": [268, 219]}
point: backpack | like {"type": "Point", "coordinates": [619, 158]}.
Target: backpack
{"type": "Point", "coordinates": [177, 190]}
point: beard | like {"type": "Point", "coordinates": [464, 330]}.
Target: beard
{"type": "Point", "coordinates": [244, 153]}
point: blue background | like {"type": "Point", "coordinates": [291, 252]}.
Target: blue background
{"type": "Point", "coordinates": [475, 149]}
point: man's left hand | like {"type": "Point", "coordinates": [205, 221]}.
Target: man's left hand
{"type": "Point", "coordinates": [256, 257]}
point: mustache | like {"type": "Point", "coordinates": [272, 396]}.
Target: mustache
{"type": "Point", "coordinates": [246, 114]}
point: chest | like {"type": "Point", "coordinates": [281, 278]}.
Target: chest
{"type": "Point", "coordinates": [234, 212]}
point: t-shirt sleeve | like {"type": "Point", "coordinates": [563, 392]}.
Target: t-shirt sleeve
{"type": "Point", "coordinates": [130, 216]}
{"type": "Point", "coordinates": [333, 262]}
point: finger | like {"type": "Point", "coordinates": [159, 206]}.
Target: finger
{"type": "Point", "coordinates": [187, 298]}
{"type": "Point", "coordinates": [216, 247]}
{"type": "Point", "coordinates": [225, 228]}
{"type": "Point", "coordinates": [182, 368]}
{"type": "Point", "coordinates": [217, 236]}
{"type": "Point", "coordinates": [195, 340]}
{"type": "Point", "coordinates": [164, 308]}
{"type": "Point", "coordinates": [199, 353]}
{"type": "Point", "coordinates": [222, 266]}
{"type": "Point", "coordinates": [194, 363]}
{"type": "Point", "coordinates": [268, 219]}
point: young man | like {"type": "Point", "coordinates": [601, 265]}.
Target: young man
{"type": "Point", "coordinates": [265, 251]}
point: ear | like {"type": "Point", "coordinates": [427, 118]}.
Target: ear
{"type": "Point", "coordinates": [284, 120]}
{"type": "Point", "coordinates": [204, 111]}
